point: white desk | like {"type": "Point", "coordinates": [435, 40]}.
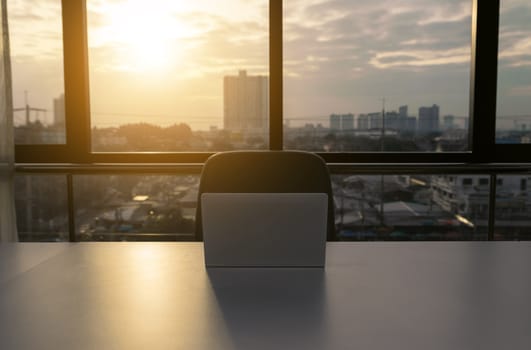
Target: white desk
{"type": "Point", "coordinates": [474, 295]}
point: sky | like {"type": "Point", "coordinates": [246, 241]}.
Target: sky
{"type": "Point", "coordinates": [164, 63]}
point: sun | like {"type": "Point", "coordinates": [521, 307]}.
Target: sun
{"type": "Point", "coordinates": [145, 35]}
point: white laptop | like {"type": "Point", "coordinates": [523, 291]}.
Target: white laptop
{"type": "Point", "coordinates": [264, 229]}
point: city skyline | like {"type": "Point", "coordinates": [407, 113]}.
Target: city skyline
{"type": "Point", "coordinates": [339, 58]}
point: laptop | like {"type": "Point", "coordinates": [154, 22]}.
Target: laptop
{"type": "Point", "coordinates": [264, 229]}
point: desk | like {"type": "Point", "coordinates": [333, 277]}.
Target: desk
{"type": "Point", "coordinates": [426, 295]}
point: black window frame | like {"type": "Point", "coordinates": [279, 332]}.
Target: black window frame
{"type": "Point", "coordinates": [482, 102]}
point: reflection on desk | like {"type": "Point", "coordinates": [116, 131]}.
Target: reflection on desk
{"type": "Point", "coordinates": [430, 295]}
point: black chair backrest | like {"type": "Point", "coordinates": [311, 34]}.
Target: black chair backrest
{"type": "Point", "coordinates": [266, 172]}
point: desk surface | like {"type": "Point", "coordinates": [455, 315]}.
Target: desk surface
{"type": "Point", "coordinates": [473, 295]}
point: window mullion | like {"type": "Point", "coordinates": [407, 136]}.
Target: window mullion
{"type": "Point", "coordinates": [77, 109]}
{"type": "Point", "coordinates": [483, 79]}
{"type": "Point", "coordinates": [275, 75]}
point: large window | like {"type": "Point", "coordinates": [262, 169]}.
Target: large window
{"type": "Point", "coordinates": [513, 207]}
{"type": "Point", "coordinates": [413, 81]}
{"type": "Point", "coordinates": [103, 85]}
{"type": "Point", "coordinates": [410, 207]}
{"type": "Point", "coordinates": [135, 207]}
{"type": "Point", "coordinates": [513, 124]}
{"type": "Point", "coordinates": [172, 76]}
{"type": "Point", "coordinates": [41, 206]}
{"type": "Point", "coordinates": [377, 76]}
{"type": "Point", "coordinates": [37, 71]}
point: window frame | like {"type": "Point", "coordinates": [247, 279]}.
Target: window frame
{"type": "Point", "coordinates": [482, 102]}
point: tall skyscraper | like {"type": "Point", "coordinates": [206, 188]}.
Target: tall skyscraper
{"type": "Point", "coordinates": [246, 103]}
{"type": "Point", "coordinates": [428, 119]}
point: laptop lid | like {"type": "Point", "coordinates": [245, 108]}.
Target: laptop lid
{"type": "Point", "coordinates": [264, 229]}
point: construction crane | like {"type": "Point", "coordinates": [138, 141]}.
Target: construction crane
{"type": "Point", "coordinates": [28, 109]}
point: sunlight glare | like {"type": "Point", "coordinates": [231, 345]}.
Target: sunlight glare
{"type": "Point", "coordinates": [147, 36]}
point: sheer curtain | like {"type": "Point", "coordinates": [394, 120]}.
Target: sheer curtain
{"type": "Point", "coordinates": [8, 228]}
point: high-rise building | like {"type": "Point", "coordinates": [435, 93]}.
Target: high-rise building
{"type": "Point", "coordinates": [341, 122]}
{"type": "Point", "coordinates": [411, 124]}
{"type": "Point", "coordinates": [428, 119]}
{"type": "Point", "coordinates": [246, 103]}
{"type": "Point", "coordinates": [335, 122]}
{"type": "Point", "coordinates": [363, 122]}
{"type": "Point", "coordinates": [375, 120]}
{"type": "Point", "coordinates": [391, 121]}
{"type": "Point", "coordinates": [402, 111]}
{"type": "Point", "coordinates": [347, 121]}
{"type": "Point", "coordinates": [402, 118]}
{"type": "Point", "coordinates": [59, 111]}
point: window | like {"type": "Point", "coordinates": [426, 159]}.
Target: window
{"type": "Point", "coordinates": [363, 84]}
{"type": "Point", "coordinates": [180, 77]}
{"type": "Point", "coordinates": [135, 207]}
{"type": "Point", "coordinates": [167, 97]}
{"type": "Point", "coordinates": [467, 181]}
{"type": "Point", "coordinates": [513, 209]}
{"type": "Point", "coordinates": [347, 64]}
{"type": "Point", "coordinates": [513, 124]}
{"type": "Point", "coordinates": [41, 206]}
{"type": "Point", "coordinates": [424, 207]}
{"type": "Point", "coordinates": [37, 72]}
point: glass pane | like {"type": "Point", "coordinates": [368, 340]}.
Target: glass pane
{"type": "Point", "coordinates": [348, 63]}
{"type": "Point", "coordinates": [411, 207]}
{"type": "Point", "coordinates": [178, 75]}
{"type": "Point", "coordinates": [35, 34]}
{"type": "Point", "coordinates": [135, 207]}
{"type": "Point", "coordinates": [41, 206]}
{"type": "Point", "coordinates": [513, 124]}
{"type": "Point", "coordinates": [513, 208]}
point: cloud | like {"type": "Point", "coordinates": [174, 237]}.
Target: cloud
{"type": "Point", "coordinates": [447, 13]}
{"type": "Point", "coordinates": [35, 31]}
{"type": "Point", "coordinates": [515, 34]}
{"type": "Point", "coordinates": [413, 52]}
{"type": "Point", "coordinates": [420, 58]}
{"type": "Point", "coordinates": [520, 91]}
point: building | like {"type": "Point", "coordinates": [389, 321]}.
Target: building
{"type": "Point", "coordinates": [59, 111]}
{"type": "Point", "coordinates": [363, 122]}
{"type": "Point", "coordinates": [467, 195]}
{"type": "Point", "coordinates": [375, 120]}
{"type": "Point", "coordinates": [402, 118]}
{"type": "Point", "coordinates": [428, 119]}
{"type": "Point", "coordinates": [341, 122]}
{"type": "Point", "coordinates": [402, 111]}
{"type": "Point", "coordinates": [246, 103]}
{"type": "Point", "coordinates": [411, 124]}
{"type": "Point", "coordinates": [335, 122]}
{"type": "Point", "coordinates": [347, 121]}
{"type": "Point", "coordinates": [392, 121]}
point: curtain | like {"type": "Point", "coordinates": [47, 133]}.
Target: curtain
{"type": "Point", "coordinates": [8, 227]}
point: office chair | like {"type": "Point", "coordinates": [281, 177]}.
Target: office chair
{"type": "Point", "coordinates": [263, 172]}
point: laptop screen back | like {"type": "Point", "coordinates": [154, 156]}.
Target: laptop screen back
{"type": "Point", "coordinates": [264, 229]}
